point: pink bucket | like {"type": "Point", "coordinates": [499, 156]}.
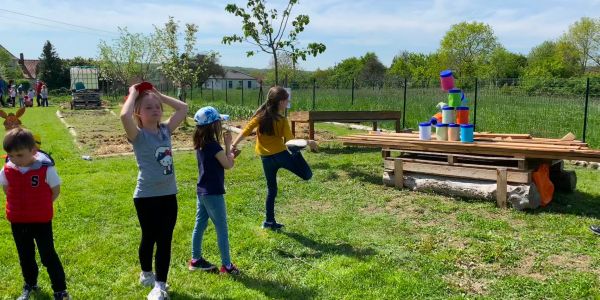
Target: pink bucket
{"type": "Point", "coordinates": [447, 80]}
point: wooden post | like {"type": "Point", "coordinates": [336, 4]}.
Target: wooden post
{"type": "Point", "coordinates": [501, 188]}
{"type": "Point", "coordinates": [451, 159]}
{"type": "Point", "coordinates": [385, 153]}
{"type": "Point", "coordinates": [398, 174]}
{"type": "Point", "coordinates": [398, 126]}
{"type": "Point", "coordinates": [294, 128]}
{"type": "Point", "coordinates": [374, 126]}
{"type": "Point", "coordinates": [311, 130]}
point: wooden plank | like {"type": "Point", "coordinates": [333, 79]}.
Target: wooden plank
{"type": "Point", "coordinates": [459, 155]}
{"type": "Point", "coordinates": [464, 172]}
{"type": "Point", "coordinates": [501, 138]}
{"type": "Point", "coordinates": [299, 116]}
{"type": "Point", "coordinates": [388, 164]}
{"type": "Point", "coordinates": [398, 173]}
{"type": "Point", "coordinates": [387, 138]}
{"type": "Point", "coordinates": [501, 187]}
{"type": "Point", "coordinates": [477, 134]}
{"type": "Point", "coordinates": [311, 130]}
{"type": "Point", "coordinates": [587, 155]}
{"type": "Point", "coordinates": [429, 145]}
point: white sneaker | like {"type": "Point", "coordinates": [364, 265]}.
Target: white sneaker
{"type": "Point", "coordinates": [147, 278]}
{"type": "Point", "coordinates": [296, 144]}
{"type": "Point", "coordinates": [158, 294]}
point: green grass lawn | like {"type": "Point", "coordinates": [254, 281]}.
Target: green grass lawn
{"type": "Point", "coordinates": [346, 235]}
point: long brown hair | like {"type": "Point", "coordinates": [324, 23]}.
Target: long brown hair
{"type": "Point", "coordinates": [137, 106]}
{"type": "Point", "coordinates": [208, 133]}
{"type": "Point", "coordinates": [268, 113]}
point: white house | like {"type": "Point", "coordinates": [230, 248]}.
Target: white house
{"type": "Point", "coordinates": [232, 80]}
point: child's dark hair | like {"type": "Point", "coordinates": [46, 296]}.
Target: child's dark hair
{"type": "Point", "coordinates": [18, 139]}
{"type": "Point", "coordinates": [208, 133]}
{"type": "Point", "coordinates": [269, 112]}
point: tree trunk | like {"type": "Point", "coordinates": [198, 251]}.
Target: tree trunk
{"type": "Point", "coordinates": [276, 67]}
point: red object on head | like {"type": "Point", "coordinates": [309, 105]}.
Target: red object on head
{"type": "Point", "coordinates": [141, 87]}
{"type": "Point", "coordinates": [144, 86]}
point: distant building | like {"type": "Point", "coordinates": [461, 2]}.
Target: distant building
{"type": "Point", "coordinates": [28, 66]}
{"type": "Point", "coordinates": [232, 80]}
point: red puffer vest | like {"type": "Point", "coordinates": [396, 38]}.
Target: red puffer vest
{"type": "Point", "coordinates": [29, 197]}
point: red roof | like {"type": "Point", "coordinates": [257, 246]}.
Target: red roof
{"type": "Point", "coordinates": [29, 68]}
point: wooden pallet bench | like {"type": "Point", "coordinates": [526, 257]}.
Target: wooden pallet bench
{"type": "Point", "coordinates": [311, 117]}
{"type": "Point", "coordinates": [502, 170]}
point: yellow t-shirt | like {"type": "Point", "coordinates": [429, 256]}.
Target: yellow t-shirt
{"type": "Point", "coordinates": [270, 144]}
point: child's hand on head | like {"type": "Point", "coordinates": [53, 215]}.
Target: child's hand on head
{"type": "Point", "coordinates": [133, 91]}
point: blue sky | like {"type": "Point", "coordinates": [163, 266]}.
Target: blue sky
{"type": "Point", "coordinates": [347, 27]}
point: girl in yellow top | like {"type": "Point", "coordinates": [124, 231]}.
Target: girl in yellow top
{"type": "Point", "coordinates": [273, 130]}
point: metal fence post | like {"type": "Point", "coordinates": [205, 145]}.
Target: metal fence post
{"type": "Point", "coordinates": [242, 92]}
{"type": "Point", "coordinates": [213, 90]}
{"type": "Point", "coordinates": [226, 88]}
{"type": "Point", "coordinates": [404, 105]}
{"type": "Point", "coordinates": [585, 115]}
{"type": "Point", "coordinates": [314, 93]}
{"type": "Point", "coordinates": [352, 91]}
{"type": "Point", "coordinates": [475, 106]}
{"type": "Point", "coordinates": [260, 94]}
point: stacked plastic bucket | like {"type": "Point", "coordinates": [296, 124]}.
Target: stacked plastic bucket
{"type": "Point", "coordinates": [454, 125]}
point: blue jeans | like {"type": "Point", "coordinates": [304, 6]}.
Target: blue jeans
{"type": "Point", "coordinates": [294, 162]}
{"type": "Point", "coordinates": [213, 207]}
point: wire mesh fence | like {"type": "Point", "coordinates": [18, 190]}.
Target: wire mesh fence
{"type": "Point", "coordinates": [542, 107]}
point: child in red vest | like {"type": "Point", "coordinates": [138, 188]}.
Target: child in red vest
{"type": "Point", "coordinates": [31, 185]}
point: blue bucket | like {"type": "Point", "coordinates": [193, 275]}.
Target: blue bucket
{"type": "Point", "coordinates": [466, 133]}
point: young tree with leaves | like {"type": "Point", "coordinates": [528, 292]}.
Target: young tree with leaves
{"type": "Point", "coordinates": [584, 35]}
{"type": "Point", "coordinates": [468, 46]}
{"type": "Point", "coordinates": [259, 30]}
{"type": "Point", "coordinates": [128, 58]}
{"type": "Point", "coordinates": [179, 66]}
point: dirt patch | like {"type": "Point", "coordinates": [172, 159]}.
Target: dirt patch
{"type": "Point", "coordinates": [100, 132]}
{"type": "Point", "coordinates": [526, 268]}
{"type": "Point", "coordinates": [465, 279]}
{"type": "Point", "coordinates": [572, 262]}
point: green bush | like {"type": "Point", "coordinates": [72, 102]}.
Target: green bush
{"type": "Point", "coordinates": [25, 83]}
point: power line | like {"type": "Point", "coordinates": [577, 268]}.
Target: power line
{"type": "Point", "coordinates": [56, 27]}
{"type": "Point", "coordinates": [60, 22]}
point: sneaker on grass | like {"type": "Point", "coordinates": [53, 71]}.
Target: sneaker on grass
{"type": "Point", "coordinates": [27, 291]}
{"type": "Point", "coordinates": [158, 294]}
{"type": "Point", "coordinates": [147, 278]}
{"type": "Point", "coordinates": [231, 269]}
{"type": "Point", "coordinates": [201, 264]}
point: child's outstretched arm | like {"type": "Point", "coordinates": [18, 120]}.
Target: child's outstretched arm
{"type": "Point", "coordinates": [224, 157]}
{"type": "Point", "coordinates": [181, 110]}
{"type": "Point", "coordinates": [129, 124]}
{"type": "Point", "coordinates": [247, 130]}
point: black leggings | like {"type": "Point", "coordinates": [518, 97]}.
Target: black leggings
{"type": "Point", "coordinates": [157, 216]}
